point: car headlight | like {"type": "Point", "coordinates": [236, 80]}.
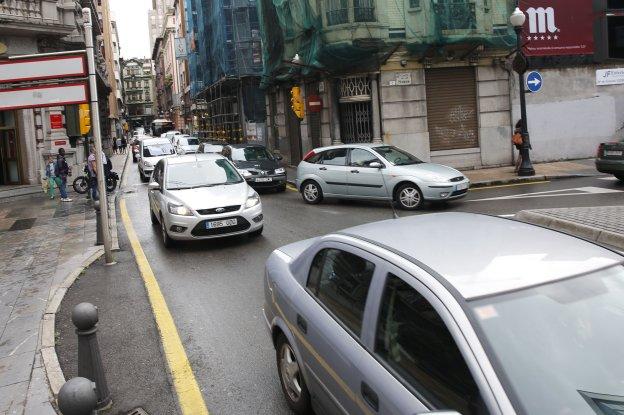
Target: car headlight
{"type": "Point", "coordinates": [147, 164]}
{"type": "Point", "coordinates": [245, 173]}
{"type": "Point", "coordinates": [252, 201]}
{"type": "Point", "coordinates": [281, 170]}
{"type": "Point", "coordinates": [180, 210]}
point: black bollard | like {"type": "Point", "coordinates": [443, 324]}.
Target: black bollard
{"type": "Point", "coordinates": [77, 397]}
{"type": "Point", "coordinates": [99, 239]}
{"type": "Point", "coordinates": [85, 318]}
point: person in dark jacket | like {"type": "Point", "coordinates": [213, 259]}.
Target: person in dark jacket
{"type": "Point", "coordinates": [62, 171]}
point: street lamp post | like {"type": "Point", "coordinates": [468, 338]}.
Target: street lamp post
{"type": "Point", "coordinates": [517, 19]}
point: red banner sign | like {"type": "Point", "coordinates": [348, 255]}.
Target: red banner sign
{"type": "Point", "coordinates": [60, 143]}
{"type": "Point", "coordinates": [558, 27]}
{"type": "Point", "coordinates": [315, 103]}
{"type": "Point", "coordinates": [56, 121]}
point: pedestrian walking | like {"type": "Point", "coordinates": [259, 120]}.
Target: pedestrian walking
{"type": "Point", "coordinates": [51, 176]}
{"type": "Point", "coordinates": [92, 170]}
{"type": "Point", "coordinates": [114, 146]}
{"type": "Point", "coordinates": [118, 141]}
{"type": "Point", "coordinates": [124, 145]}
{"type": "Point", "coordinates": [517, 141]}
{"type": "Point", "coordinates": [62, 171]}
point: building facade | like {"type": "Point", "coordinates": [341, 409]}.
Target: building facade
{"type": "Point", "coordinates": [139, 92]}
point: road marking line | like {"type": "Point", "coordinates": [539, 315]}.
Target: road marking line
{"type": "Point", "coordinates": [609, 178]}
{"type": "Point", "coordinates": [509, 185]}
{"type": "Point", "coordinates": [507, 216]}
{"type": "Point", "coordinates": [189, 395]}
{"type": "Point", "coordinates": [291, 187]}
{"type": "Point", "coordinates": [577, 191]}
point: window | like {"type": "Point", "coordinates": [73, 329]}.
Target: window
{"type": "Point", "coordinates": [340, 280]}
{"type": "Point", "coordinates": [414, 4]}
{"type": "Point", "coordinates": [337, 157]}
{"type": "Point", "coordinates": [362, 158]}
{"type": "Point", "coordinates": [337, 12]}
{"type": "Point", "coordinates": [412, 338]}
{"type": "Point", "coordinates": [364, 10]}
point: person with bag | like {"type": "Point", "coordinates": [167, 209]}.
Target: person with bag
{"type": "Point", "coordinates": [517, 141]}
{"type": "Point", "coordinates": [51, 176]}
{"type": "Point", "coordinates": [62, 171]}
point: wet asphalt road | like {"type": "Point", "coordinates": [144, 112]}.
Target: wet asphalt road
{"type": "Point", "coordinates": [214, 288]}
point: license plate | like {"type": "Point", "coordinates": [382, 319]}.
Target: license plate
{"type": "Point", "coordinates": [612, 153]}
{"type": "Point", "coordinates": [264, 179]}
{"type": "Point", "coordinates": [221, 223]}
{"type": "Point", "coordinates": [462, 186]}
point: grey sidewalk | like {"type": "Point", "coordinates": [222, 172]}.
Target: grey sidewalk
{"type": "Point", "coordinates": [42, 241]}
{"type": "Point", "coordinates": [603, 224]}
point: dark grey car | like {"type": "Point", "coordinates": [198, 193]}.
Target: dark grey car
{"type": "Point", "coordinates": [451, 312]}
{"type": "Point", "coordinates": [258, 166]}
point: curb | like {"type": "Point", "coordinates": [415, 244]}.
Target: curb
{"type": "Point", "coordinates": [112, 209]}
{"type": "Point", "coordinates": [51, 365]}
{"type": "Point", "coordinates": [584, 231]}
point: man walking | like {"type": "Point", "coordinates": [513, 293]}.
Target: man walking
{"type": "Point", "coordinates": [62, 170]}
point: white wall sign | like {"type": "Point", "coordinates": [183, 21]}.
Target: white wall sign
{"type": "Point", "coordinates": [40, 68]}
{"type": "Point", "coordinates": [613, 76]}
{"type": "Point", "coordinates": [403, 78]}
{"type": "Point", "coordinates": [43, 96]}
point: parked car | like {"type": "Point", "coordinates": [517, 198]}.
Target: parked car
{"type": "Point", "coordinates": [185, 144]}
{"type": "Point", "coordinates": [452, 312]}
{"type": "Point", "coordinates": [200, 197]}
{"type": "Point", "coordinates": [170, 135]}
{"type": "Point", "coordinates": [610, 159]}
{"type": "Point", "coordinates": [260, 168]}
{"type": "Point", "coordinates": [152, 150]}
{"type": "Point", "coordinates": [210, 148]}
{"type": "Point", "coordinates": [376, 172]}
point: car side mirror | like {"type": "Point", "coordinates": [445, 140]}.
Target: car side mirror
{"type": "Point", "coordinates": [376, 165]}
{"type": "Point", "coordinates": [153, 186]}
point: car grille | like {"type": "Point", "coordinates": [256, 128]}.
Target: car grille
{"type": "Point", "coordinates": [457, 179]}
{"type": "Point", "coordinates": [261, 172]}
{"type": "Point", "coordinates": [200, 228]}
{"type": "Point", "coordinates": [459, 192]}
{"type": "Point", "coordinates": [217, 210]}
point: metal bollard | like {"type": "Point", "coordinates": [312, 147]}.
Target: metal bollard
{"type": "Point", "coordinates": [77, 397]}
{"type": "Point", "coordinates": [99, 239]}
{"type": "Point", "coordinates": [85, 318]}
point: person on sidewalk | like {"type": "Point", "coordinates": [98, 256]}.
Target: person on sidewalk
{"type": "Point", "coordinates": [114, 146]}
{"type": "Point", "coordinates": [92, 170]}
{"type": "Point", "coordinates": [517, 140]}
{"type": "Point", "coordinates": [62, 171]}
{"type": "Point", "coordinates": [124, 144]}
{"type": "Point", "coordinates": [51, 176]}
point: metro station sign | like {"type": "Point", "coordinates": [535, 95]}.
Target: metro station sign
{"type": "Point", "coordinates": [42, 68]}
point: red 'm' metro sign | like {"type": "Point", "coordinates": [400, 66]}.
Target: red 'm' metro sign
{"type": "Point", "coordinates": [558, 27]}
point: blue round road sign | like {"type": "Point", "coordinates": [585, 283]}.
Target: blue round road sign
{"type": "Point", "coordinates": [534, 81]}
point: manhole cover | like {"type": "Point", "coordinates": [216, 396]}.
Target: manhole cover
{"type": "Point", "coordinates": [138, 411]}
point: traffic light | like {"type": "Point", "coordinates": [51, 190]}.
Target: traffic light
{"type": "Point", "coordinates": [296, 102]}
{"type": "Point", "coordinates": [85, 119]}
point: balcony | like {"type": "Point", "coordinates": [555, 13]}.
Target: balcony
{"type": "Point", "coordinates": [21, 17]}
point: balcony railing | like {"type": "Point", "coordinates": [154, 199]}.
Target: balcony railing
{"type": "Point", "coordinates": [20, 9]}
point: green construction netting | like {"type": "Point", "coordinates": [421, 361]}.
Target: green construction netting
{"type": "Point", "coordinates": [422, 27]}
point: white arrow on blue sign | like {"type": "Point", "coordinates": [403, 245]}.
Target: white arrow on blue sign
{"type": "Point", "coordinates": [534, 81]}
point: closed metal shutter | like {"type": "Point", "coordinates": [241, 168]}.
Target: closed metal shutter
{"type": "Point", "coordinates": [452, 108]}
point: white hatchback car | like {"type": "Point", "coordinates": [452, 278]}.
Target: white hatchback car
{"type": "Point", "coordinates": [202, 196]}
{"type": "Point", "coordinates": [152, 150]}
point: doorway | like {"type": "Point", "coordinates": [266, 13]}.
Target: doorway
{"type": "Point", "coordinates": [9, 150]}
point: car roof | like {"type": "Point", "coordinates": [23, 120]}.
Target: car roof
{"type": "Point", "coordinates": [148, 141]}
{"type": "Point", "coordinates": [359, 145]}
{"type": "Point", "coordinates": [245, 145]}
{"type": "Point", "coordinates": [480, 255]}
{"type": "Point", "coordinates": [189, 158]}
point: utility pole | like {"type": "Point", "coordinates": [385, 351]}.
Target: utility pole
{"type": "Point", "coordinates": [97, 137]}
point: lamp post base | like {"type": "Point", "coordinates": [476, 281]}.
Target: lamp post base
{"type": "Point", "coordinates": [526, 172]}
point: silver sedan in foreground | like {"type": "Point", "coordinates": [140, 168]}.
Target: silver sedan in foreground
{"type": "Point", "coordinates": [200, 197]}
{"type": "Point", "coordinates": [396, 317]}
{"type": "Point", "coordinates": [376, 172]}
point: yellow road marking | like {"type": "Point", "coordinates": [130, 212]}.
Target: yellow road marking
{"type": "Point", "coordinates": [291, 187]}
{"type": "Point", "coordinates": [510, 185]}
{"type": "Point", "coordinates": [189, 396]}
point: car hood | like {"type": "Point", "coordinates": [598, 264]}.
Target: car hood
{"type": "Point", "coordinates": [257, 165]}
{"type": "Point", "coordinates": [429, 171]}
{"type": "Point", "coordinates": [212, 197]}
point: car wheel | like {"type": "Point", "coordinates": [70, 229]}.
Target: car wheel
{"type": "Point", "coordinates": [311, 192]}
{"type": "Point", "coordinates": [256, 233]}
{"type": "Point", "coordinates": [167, 241]}
{"type": "Point", "coordinates": [293, 385]}
{"type": "Point", "coordinates": [620, 177]}
{"type": "Point", "coordinates": [409, 196]}
{"type": "Point", "coordinates": [153, 217]}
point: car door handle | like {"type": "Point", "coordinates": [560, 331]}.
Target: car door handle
{"type": "Point", "coordinates": [323, 168]}
{"type": "Point", "coordinates": [303, 325]}
{"type": "Point", "coordinates": [370, 396]}
{"type": "Point", "coordinates": [355, 171]}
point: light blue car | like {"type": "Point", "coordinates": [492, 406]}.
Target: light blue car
{"type": "Point", "coordinates": [376, 172]}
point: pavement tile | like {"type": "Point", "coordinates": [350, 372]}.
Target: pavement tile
{"type": "Point", "coordinates": [13, 398]}
{"type": "Point", "coordinates": [37, 400]}
{"type": "Point", "coordinates": [16, 368]}
{"type": "Point", "coordinates": [20, 335]}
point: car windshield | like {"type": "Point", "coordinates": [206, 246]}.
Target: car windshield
{"type": "Point", "coordinates": [397, 156]}
{"type": "Point", "coordinates": [189, 141]}
{"type": "Point", "coordinates": [201, 173]}
{"type": "Point", "coordinates": [251, 154]}
{"type": "Point", "coordinates": [560, 344]}
{"type": "Point", "coordinates": [155, 150]}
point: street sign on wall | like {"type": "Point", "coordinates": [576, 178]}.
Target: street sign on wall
{"type": "Point", "coordinates": [56, 121]}
{"type": "Point", "coordinates": [42, 68]}
{"type": "Point", "coordinates": [613, 76]}
{"type": "Point", "coordinates": [534, 81]}
{"type": "Point", "coordinates": [43, 96]}
{"type": "Point", "coordinates": [558, 27]}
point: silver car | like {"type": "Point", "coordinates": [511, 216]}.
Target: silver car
{"type": "Point", "coordinates": [151, 151]}
{"type": "Point", "coordinates": [376, 172]}
{"type": "Point", "coordinates": [455, 312]}
{"type": "Point", "coordinates": [185, 144]}
{"type": "Point", "coordinates": [200, 197]}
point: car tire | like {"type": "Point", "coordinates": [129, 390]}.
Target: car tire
{"type": "Point", "coordinates": [620, 177]}
{"type": "Point", "coordinates": [256, 233]}
{"type": "Point", "coordinates": [281, 188]}
{"type": "Point", "coordinates": [311, 192]}
{"type": "Point", "coordinates": [153, 217]}
{"type": "Point", "coordinates": [293, 384]}
{"type": "Point", "coordinates": [408, 196]}
{"type": "Point", "coordinates": [167, 241]}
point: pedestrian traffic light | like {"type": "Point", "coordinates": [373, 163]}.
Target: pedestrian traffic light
{"type": "Point", "coordinates": [296, 102]}
{"type": "Point", "coordinates": [85, 118]}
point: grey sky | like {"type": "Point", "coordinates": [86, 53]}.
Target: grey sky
{"type": "Point", "coordinates": [131, 18]}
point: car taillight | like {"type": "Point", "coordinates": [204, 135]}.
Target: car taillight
{"type": "Point", "coordinates": [308, 155]}
{"type": "Point", "coordinates": [600, 150]}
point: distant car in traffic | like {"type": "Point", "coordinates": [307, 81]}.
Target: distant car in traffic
{"type": "Point", "coordinates": [376, 172]}
{"type": "Point", "coordinates": [207, 148]}
{"type": "Point", "coordinates": [450, 313]}
{"type": "Point", "coordinates": [151, 151]}
{"type": "Point", "coordinates": [610, 159]}
{"type": "Point", "coordinates": [170, 135]}
{"type": "Point", "coordinates": [202, 196]}
{"type": "Point", "coordinates": [260, 168]}
{"type": "Point", "coordinates": [185, 144]}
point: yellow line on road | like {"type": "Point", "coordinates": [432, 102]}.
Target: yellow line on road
{"type": "Point", "coordinates": [189, 396]}
{"type": "Point", "coordinates": [509, 185]}
{"type": "Point", "coordinates": [291, 187]}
